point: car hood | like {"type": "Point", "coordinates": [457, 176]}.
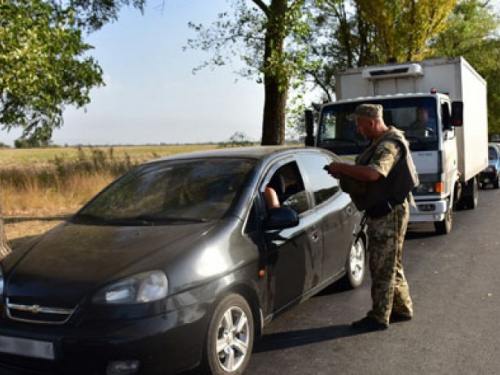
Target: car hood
{"type": "Point", "coordinates": [75, 261]}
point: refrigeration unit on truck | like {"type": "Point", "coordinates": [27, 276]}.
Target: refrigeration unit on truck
{"type": "Point", "coordinates": [449, 150]}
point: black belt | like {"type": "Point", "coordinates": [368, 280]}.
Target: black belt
{"type": "Point", "coordinates": [383, 208]}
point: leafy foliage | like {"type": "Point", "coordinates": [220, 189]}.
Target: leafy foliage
{"type": "Point", "coordinates": [472, 33]}
{"type": "Point", "coordinates": [404, 28]}
{"type": "Point", "coordinates": [42, 66]}
{"type": "Point", "coordinates": [93, 14]}
{"type": "Point", "coordinates": [341, 39]}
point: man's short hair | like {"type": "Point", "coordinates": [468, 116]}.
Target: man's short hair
{"type": "Point", "coordinates": [368, 110]}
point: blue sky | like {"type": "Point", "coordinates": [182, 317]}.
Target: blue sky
{"type": "Point", "coordinates": [151, 95]}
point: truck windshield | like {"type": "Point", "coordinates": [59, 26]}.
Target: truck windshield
{"type": "Point", "coordinates": [416, 116]}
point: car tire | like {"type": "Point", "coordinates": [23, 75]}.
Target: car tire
{"type": "Point", "coordinates": [356, 264]}
{"type": "Point", "coordinates": [230, 336]}
{"type": "Point", "coordinates": [496, 183]}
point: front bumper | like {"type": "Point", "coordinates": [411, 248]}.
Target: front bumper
{"type": "Point", "coordinates": [428, 211]}
{"type": "Point", "coordinates": [163, 344]}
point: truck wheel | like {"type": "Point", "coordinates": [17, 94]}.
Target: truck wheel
{"type": "Point", "coordinates": [444, 226]}
{"type": "Point", "coordinates": [472, 202]}
{"type": "Point", "coordinates": [471, 195]}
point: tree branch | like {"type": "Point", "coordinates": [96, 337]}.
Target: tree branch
{"type": "Point", "coordinates": [262, 6]}
{"type": "Point", "coordinates": [320, 83]}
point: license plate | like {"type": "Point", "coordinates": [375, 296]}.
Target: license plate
{"type": "Point", "coordinates": [27, 347]}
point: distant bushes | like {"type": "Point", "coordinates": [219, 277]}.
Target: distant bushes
{"type": "Point", "coordinates": [238, 139]}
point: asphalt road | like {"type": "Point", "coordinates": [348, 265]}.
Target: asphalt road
{"type": "Point", "coordinates": [454, 282]}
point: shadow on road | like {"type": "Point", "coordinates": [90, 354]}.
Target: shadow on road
{"type": "Point", "coordinates": [420, 231]}
{"type": "Point", "coordinates": [285, 340]}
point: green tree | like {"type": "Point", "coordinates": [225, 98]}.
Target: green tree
{"type": "Point", "coordinates": [342, 39]}
{"type": "Point", "coordinates": [93, 14]}
{"type": "Point", "coordinates": [268, 38]}
{"type": "Point", "coordinates": [404, 28]}
{"type": "Point", "coordinates": [348, 34]}
{"type": "Point", "coordinates": [473, 34]}
{"type": "Point", "coordinates": [351, 33]}
{"type": "Point", "coordinates": [238, 139]}
{"type": "Point", "coordinates": [43, 63]}
{"type": "Point", "coordinates": [42, 66]}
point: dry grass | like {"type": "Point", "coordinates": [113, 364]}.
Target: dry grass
{"type": "Point", "coordinates": [39, 186]}
{"type": "Point", "coordinates": [36, 200]}
{"type": "Point", "coordinates": [36, 157]}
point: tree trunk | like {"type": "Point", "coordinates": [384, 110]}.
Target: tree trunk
{"type": "Point", "coordinates": [276, 77]}
{"type": "Point", "coordinates": [273, 125]}
{"type": "Point", "coordinates": [4, 245]}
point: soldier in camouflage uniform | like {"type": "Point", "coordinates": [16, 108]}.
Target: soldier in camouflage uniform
{"type": "Point", "coordinates": [385, 200]}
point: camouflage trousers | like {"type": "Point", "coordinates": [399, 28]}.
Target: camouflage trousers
{"type": "Point", "coordinates": [390, 291]}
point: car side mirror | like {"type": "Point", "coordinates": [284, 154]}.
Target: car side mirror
{"type": "Point", "coordinates": [281, 218]}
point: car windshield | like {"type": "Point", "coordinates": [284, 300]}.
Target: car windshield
{"type": "Point", "coordinates": [492, 155]}
{"type": "Point", "coordinates": [416, 116]}
{"type": "Point", "coordinates": [169, 192]}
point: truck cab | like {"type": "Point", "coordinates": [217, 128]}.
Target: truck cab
{"type": "Point", "coordinates": [421, 118]}
{"type": "Point", "coordinates": [448, 155]}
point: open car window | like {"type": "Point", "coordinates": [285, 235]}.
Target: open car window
{"type": "Point", "coordinates": [287, 183]}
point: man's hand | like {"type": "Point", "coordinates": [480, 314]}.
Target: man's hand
{"type": "Point", "coordinates": [358, 172]}
{"type": "Point", "coordinates": [333, 169]}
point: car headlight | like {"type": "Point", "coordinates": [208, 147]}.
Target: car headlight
{"type": "Point", "coordinates": [141, 288]}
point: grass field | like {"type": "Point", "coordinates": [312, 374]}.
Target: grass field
{"type": "Point", "coordinates": [17, 157]}
{"type": "Point", "coordinates": [39, 186]}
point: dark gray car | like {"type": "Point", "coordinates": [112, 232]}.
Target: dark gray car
{"type": "Point", "coordinates": [491, 175]}
{"type": "Point", "coordinates": [179, 264]}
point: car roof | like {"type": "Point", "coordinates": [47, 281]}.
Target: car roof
{"type": "Point", "coordinates": [256, 152]}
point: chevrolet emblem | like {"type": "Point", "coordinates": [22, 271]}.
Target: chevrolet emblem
{"type": "Point", "coordinates": [35, 309]}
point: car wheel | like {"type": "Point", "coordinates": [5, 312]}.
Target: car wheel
{"type": "Point", "coordinates": [356, 264]}
{"type": "Point", "coordinates": [230, 337]}
{"type": "Point", "coordinates": [496, 183]}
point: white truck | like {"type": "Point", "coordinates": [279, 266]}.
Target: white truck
{"type": "Point", "coordinates": [449, 150]}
